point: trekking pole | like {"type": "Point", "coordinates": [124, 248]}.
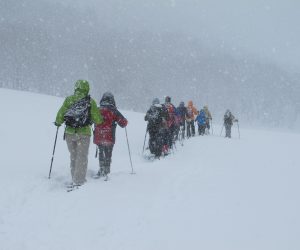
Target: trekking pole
{"type": "Point", "coordinates": [132, 172]}
{"type": "Point", "coordinates": [53, 152]}
{"type": "Point", "coordinates": [212, 128]}
{"type": "Point", "coordinates": [222, 130]}
{"type": "Point", "coordinates": [238, 129]}
{"type": "Point", "coordinates": [96, 155]}
{"type": "Point", "coordinates": [145, 141]}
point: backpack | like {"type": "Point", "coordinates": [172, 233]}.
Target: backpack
{"type": "Point", "coordinates": [171, 114]}
{"type": "Point", "coordinates": [79, 114]}
{"type": "Point", "coordinates": [154, 116]}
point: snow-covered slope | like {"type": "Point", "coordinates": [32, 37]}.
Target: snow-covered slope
{"type": "Point", "coordinates": [212, 193]}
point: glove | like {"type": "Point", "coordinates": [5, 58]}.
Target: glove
{"type": "Point", "coordinates": [56, 124]}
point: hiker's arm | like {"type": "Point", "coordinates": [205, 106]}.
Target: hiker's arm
{"type": "Point", "coordinates": [61, 112]}
{"type": "Point", "coordinates": [96, 116]}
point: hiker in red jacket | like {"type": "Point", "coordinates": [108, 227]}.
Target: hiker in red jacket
{"type": "Point", "coordinates": [104, 134]}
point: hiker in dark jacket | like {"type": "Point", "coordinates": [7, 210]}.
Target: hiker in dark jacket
{"type": "Point", "coordinates": [105, 133]}
{"type": "Point", "coordinates": [156, 118]}
{"type": "Point", "coordinates": [228, 122]}
{"type": "Point", "coordinates": [78, 138]}
{"type": "Point", "coordinates": [182, 113]}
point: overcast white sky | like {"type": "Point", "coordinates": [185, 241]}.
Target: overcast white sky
{"type": "Point", "coordinates": [269, 29]}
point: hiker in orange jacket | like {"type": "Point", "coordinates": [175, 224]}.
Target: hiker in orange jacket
{"type": "Point", "coordinates": [190, 119]}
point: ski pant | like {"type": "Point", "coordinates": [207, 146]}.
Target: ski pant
{"type": "Point", "coordinates": [190, 128]}
{"type": "Point", "coordinates": [208, 124]}
{"type": "Point", "coordinates": [201, 129]}
{"type": "Point", "coordinates": [170, 135]}
{"type": "Point", "coordinates": [105, 154]}
{"type": "Point", "coordinates": [176, 132]}
{"type": "Point", "coordinates": [182, 124]}
{"type": "Point", "coordinates": [155, 142]}
{"type": "Point", "coordinates": [179, 133]}
{"type": "Point", "coordinates": [78, 146]}
{"type": "Point", "coordinates": [181, 130]}
{"type": "Point", "coordinates": [228, 130]}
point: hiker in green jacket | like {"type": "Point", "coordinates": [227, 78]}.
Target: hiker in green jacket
{"type": "Point", "coordinates": [78, 112]}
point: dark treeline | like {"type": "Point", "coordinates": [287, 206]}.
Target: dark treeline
{"type": "Point", "coordinates": [46, 46]}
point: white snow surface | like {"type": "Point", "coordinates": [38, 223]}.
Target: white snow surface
{"type": "Point", "coordinates": [212, 193]}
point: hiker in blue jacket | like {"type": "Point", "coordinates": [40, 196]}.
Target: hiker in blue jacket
{"type": "Point", "coordinates": [201, 121]}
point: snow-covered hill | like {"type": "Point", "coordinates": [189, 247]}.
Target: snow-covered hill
{"type": "Point", "coordinates": [212, 193]}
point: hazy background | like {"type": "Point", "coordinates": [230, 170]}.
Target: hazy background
{"type": "Point", "coordinates": [242, 55]}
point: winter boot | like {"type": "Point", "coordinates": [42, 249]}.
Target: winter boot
{"type": "Point", "coordinates": [106, 170]}
{"type": "Point", "coordinates": [100, 172]}
{"type": "Point", "coordinates": [165, 149]}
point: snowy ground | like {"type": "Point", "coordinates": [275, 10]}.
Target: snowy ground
{"type": "Point", "coordinates": [213, 193]}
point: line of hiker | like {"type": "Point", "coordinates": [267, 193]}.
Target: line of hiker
{"type": "Point", "coordinates": [166, 125]}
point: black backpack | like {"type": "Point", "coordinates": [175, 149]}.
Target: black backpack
{"type": "Point", "coordinates": [154, 116]}
{"type": "Point", "coordinates": [79, 114]}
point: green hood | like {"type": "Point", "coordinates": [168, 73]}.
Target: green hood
{"type": "Point", "coordinates": [81, 90]}
{"type": "Point", "coordinates": [82, 87]}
